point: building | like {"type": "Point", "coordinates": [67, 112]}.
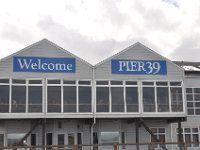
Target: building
{"type": "Point", "coordinates": [50, 96]}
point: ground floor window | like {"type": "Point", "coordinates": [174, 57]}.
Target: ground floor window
{"type": "Point", "coordinates": [14, 138]}
{"type": "Point", "coordinates": [190, 135]}
{"type": "Point", "coordinates": [160, 134]}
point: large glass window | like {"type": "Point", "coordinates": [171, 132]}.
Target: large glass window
{"type": "Point", "coordinates": [85, 98]}
{"type": "Point", "coordinates": [148, 99]}
{"type": "Point", "coordinates": [132, 99]}
{"type": "Point", "coordinates": [102, 98]}
{"type": "Point", "coordinates": [69, 98]}
{"type": "Point", "coordinates": [18, 98]}
{"type": "Point", "coordinates": [162, 96]}
{"type": "Point", "coordinates": [193, 101]}
{"type": "Point", "coordinates": [4, 98]}
{"type": "Point", "coordinates": [71, 139]}
{"type": "Point", "coordinates": [117, 97]}
{"type": "Point", "coordinates": [35, 99]}
{"type": "Point", "coordinates": [176, 97]}
{"type": "Point", "coordinates": [54, 98]}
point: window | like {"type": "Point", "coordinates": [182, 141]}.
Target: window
{"type": "Point", "coordinates": [109, 138]}
{"type": "Point", "coordinates": [18, 96]}
{"type": "Point", "coordinates": [162, 96]}
{"type": "Point", "coordinates": [102, 98]}
{"type": "Point", "coordinates": [79, 140]}
{"type": "Point", "coordinates": [132, 99]}
{"type": "Point", "coordinates": [85, 98]}
{"type": "Point", "coordinates": [148, 92]}
{"type": "Point", "coordinates": [4, 97]}
{"type": "Point", "coordinates": [69, 98]}
{"type": "Point", "coordinates": [14, 138]}
{"type": "Point", "coordinates": [54, 98]}
{"type": "Point", "coordinates": [176, 97]}
{"type": "Point", "coordinates": [193, 101]}
{"type": "Point", "coordinates": [117, 97]}
{"type": "Point", "coordinates": [160, 134]}
{"type": "Point", "coordinates": [190, 136]}
{"type": "Point", "coordinates": [35, 96]}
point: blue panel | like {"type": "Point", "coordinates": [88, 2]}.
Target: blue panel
{"type": "Point", "coordinates": [140, 67]}
{"type": "Point", "coordinates": [43, 64]}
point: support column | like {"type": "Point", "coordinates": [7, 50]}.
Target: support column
{"type": "Point", "coordinates": [137, 135]}
{"type": "Point", "coordinates": [180, 138]}
{"type": "Point", "coordinates": [43, 132]}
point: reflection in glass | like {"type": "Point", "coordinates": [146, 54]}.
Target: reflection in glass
{"type": "Point", "coordinates": [18, 98]}
{"type": "Point", "coordinates": [102, 99]}
{"type": "Point", "coordinates": [69, 98]}
{"type": "Point", "coordinates": [148, 99]}
{"type": "Point", "coordinates": [4, 98]}
{"type": "Point", "coordinates": [35, 99]}
{"type": "Point", "coordinates": [117, 97]}
{"type": "Point", "coordinates": [14, 138]}
{"type": "Point", "coordinates": [109, 138]}
{"type": "Point", "coordinates": [132, 99]}
{"type": "Point", "coordinates": [54, 98]}
{"type": "Point", "coordinates": [84, 99]}
{"type": "Point", "coordinates": [163, 99]}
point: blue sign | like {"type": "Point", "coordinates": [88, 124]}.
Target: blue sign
{"type": "Point", "coordinates": [141, 67]}
{"type": "Point", "coordinates": [43, 64]}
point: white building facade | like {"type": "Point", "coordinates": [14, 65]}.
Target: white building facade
{"type": "Point", "coordinates": [48, 96]}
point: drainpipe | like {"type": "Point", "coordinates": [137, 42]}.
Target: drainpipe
{"type": "Point", "coordinates": [94, 105]}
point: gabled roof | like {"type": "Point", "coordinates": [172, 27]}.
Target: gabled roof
{"type": "Point", "coordinates": [142, 46]}
{"type": "Point", "coordinates": [51, 43]}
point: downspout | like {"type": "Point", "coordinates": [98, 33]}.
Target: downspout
{"type": "Point", "coordinates": [94, 104]}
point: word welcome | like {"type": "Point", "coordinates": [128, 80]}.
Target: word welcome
{"type": "Point", "coordinates": [43, 64]}
{"type": "Point", "coordinates": [153, 67]}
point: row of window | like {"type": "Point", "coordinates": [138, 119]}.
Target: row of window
{"type": "Point", "coordinates": [189, 135]}
{"type": "Point", "coordinates": [76, 96]}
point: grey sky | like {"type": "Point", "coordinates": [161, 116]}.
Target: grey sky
{"type": "Point", "coordinates": [97, 29]}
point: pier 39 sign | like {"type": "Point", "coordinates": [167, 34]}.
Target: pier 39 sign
{"type": "Point", "coordinates": [43, 64]}
{"type": "Point", "coordinates": [141, 67]}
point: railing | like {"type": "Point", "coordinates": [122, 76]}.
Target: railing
{"type": "Point", "coordinates": [129, 146]}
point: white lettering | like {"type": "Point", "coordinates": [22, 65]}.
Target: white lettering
{"type": "Point", "coordinates": [23, 64]}
{"type": "Point", "coordinates": [141, 66]}
{"type": "Point", "coordinates": [69, 67]}
{"type": "Point", "coordinates": [44, 66]}
{"type": "Point", "coordinates": [121, 65]}
{"type": "Point", "coordinates": [62, 66]}
{"type": "Point", "coordinates": [34, 66]}
{"type": "Point", "coordinates": [133, 65]}
{"type": "Point", "coordinates": [51, 66]}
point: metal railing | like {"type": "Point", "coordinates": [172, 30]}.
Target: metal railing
{"type": "Point", "coordinates": [128, 146]}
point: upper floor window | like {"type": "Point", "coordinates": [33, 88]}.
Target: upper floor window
{"type": "Point", "coordinates": [4, 95]}
{"type": "Point", "coordinates": [157, 96]}
{"type": "Point", "coordinates": [193, 101]}
{"type": "Point", "coordinates": [69, 96]}
{"type": "Point", "coordinates": [117, 96]}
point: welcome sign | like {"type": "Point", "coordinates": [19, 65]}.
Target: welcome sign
{"type": "Point", "coordinates": [141, 67]}
{"type": "Point", "coordinates": [43, 64]}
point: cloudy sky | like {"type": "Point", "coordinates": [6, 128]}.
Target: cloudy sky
{"type": "Point", "coordinates": [97, 29]}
